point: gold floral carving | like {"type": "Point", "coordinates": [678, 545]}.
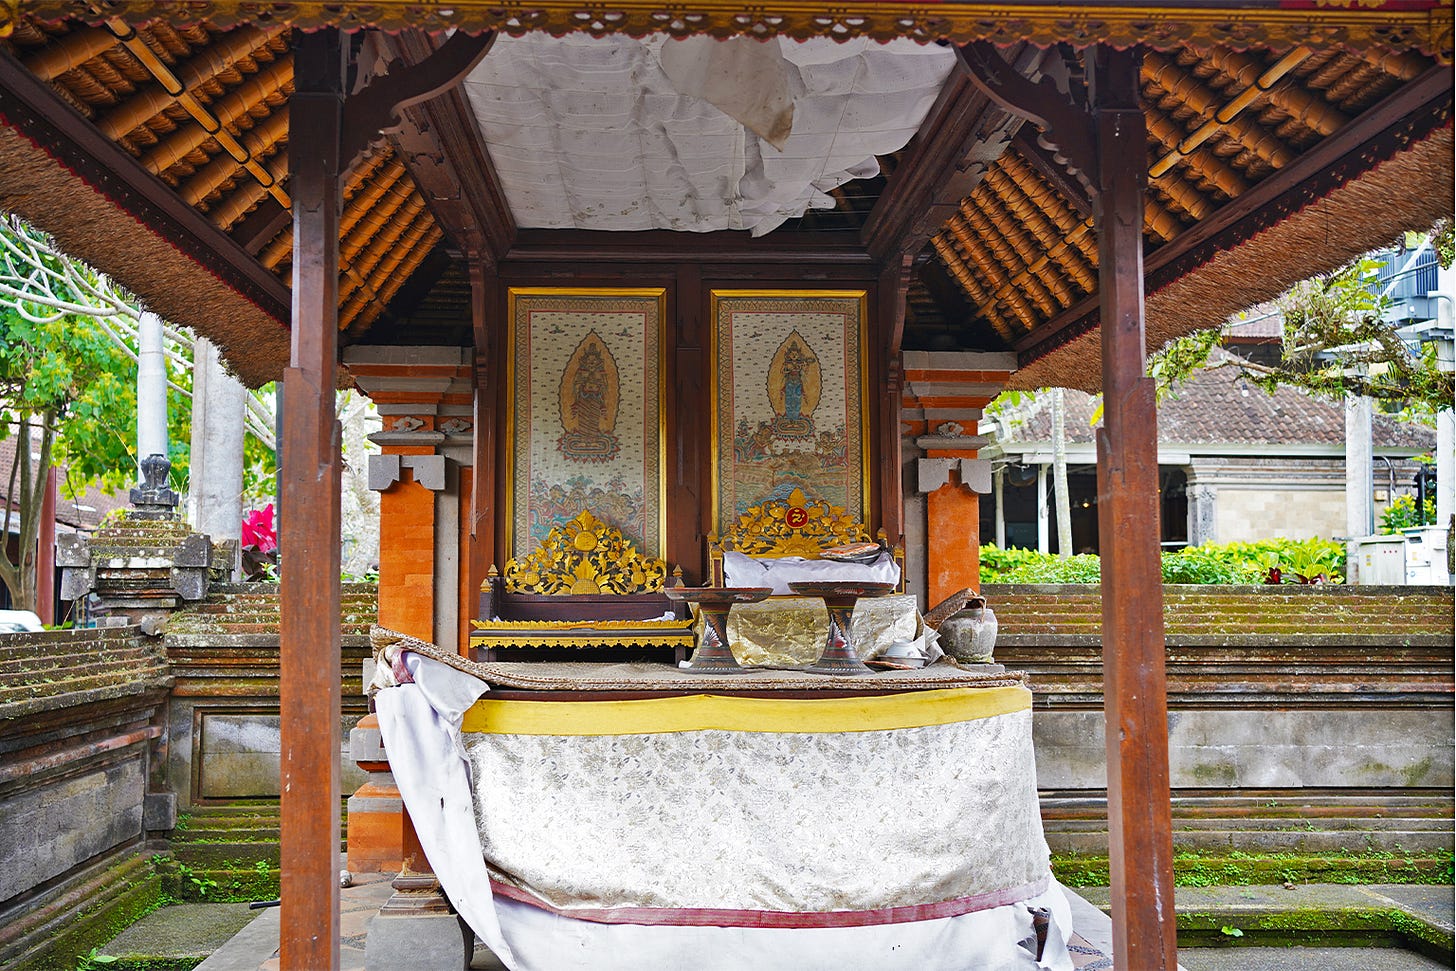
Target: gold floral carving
{"type": "Point", "coordinates": [796, 526]}
{"type": "Point", "coordinates": [1166, 26]}
{"type": "Point", "coordinates": [585, 555]}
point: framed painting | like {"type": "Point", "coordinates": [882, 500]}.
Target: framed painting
{"type": "Point", "coordinates": [789, 399]}
{"type": "Point", "coordinates": [585, 428]}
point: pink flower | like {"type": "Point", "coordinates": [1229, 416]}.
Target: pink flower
{"type": "Point", "coordinates": [258, 530]}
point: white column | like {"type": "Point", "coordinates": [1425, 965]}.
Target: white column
{"type": "Point", "coordinates": [998, 485]}
{"type": "Point", "coordinates": [151, 388]}
{"type": "Point", "coordinates": [219, 409]}
{"type": "Point", "coordinates": [1446, 419]}
{"type": "Point", "coordinates": [1043, 534]}
{"type": "Point", "coordinates": [1359, 507]}
{"type": "Point", "coordinates": [1359, 511]}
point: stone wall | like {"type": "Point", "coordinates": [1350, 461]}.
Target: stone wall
{"type": "Point", "coordinates": [1324, 696]}
{"type": "Point", "coordinates": [223, 717]}
{"type": "Point", "coordinates": [82, 729]}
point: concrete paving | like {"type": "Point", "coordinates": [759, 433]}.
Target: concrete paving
{"type": "Point", "coordinates": [255, 946]}
{"type": "Point", "coordinates": [1311, 958]}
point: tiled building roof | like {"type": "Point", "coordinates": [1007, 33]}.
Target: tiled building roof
{"type": "Point", "coordinates": [1218, 407]}
{"type": "Point", "coordinates": [82, 514]}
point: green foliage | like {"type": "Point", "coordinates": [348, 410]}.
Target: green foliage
{"type": "Point", "coordinates": [1235, 563]}
{"type": "Point", "coordinates": [1305, 561]}
{"type": "Point", "coordinates": [1210, 564]}
{"type": "Point", "coordinates": [1336, 343]}
{"type": "Point", "coordinates": [1029, 566]}
{"type": "Point", "coordinates": [1229, 931]}
{"type": "Point", "coordinates": [1401, 514]}
{"type": "Point", "coordinates": [199, 883]}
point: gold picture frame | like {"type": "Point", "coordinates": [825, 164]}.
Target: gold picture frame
{"type": "Point", "coordinates": [585, 425]}
{"type": "Point", "coordinates": [790, 399]}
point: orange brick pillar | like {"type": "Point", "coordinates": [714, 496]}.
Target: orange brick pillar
{"type": "Point", "coordinates": [941, 405]}
{"type": "Point", "coordinates": [953, 527]}
{"type": "Point", "coordinates": [424, 400]}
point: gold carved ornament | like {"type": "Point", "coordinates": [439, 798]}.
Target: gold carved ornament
{"type": "Point", "coordinates": [796, 526]}
{"type": "Point", "coordinates": [1355, 25]}
{"type": "Point", "coordinates": [584, 556]}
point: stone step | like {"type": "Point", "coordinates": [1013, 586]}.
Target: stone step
{"type": "Point", "coordinates": [83, 681]}
{"type": "Point", "coordinates": [44, 664]}
{"type": "Point", "coordinates": [1417, 845]}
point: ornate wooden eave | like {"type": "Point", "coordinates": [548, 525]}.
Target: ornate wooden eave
{"type": "Point", "coordinates": [1353, 24]}
{"type": "Point", "coordinates": [443, 149]}
{"type": "Point", "coordinates": [1247, 129]}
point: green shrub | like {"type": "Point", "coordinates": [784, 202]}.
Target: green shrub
{"type": "Point", "coordinates": [1264, 561]}
{"type": "Point", "coordinates": [1401, 514]}
{"type": "Point", "coordinates": [1210, 564]}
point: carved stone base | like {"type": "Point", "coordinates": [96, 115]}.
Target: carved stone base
{"type": "Point", "coordinates": [416, 930]}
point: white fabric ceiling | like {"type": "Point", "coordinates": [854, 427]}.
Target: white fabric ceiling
{"type": "Point", "coordinates": [591, 133]}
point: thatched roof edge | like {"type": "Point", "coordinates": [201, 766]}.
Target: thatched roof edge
{"type": "Point", "coordinates": [90, 226]}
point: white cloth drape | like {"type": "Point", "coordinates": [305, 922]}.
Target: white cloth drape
{"type": "Point", "coordinates": [420, 723]}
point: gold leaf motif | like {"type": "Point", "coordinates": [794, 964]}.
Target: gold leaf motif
{"type": "Point", "coordinates": [797, 526]}
{"type": "Point", "coordinates": [584, 556]}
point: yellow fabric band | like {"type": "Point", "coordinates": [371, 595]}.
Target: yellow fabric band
{"type": "Point", "coordinates": [695, 713]}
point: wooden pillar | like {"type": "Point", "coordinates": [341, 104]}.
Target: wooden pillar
{"type": "Point", "coordinates": [894, 284]}
{"type": "Point", "coordinates": [484, 293]}
{"type": "Point", "coordinates": [309, 682]}
{"type": "Point", "coordinates": [1135, 684]}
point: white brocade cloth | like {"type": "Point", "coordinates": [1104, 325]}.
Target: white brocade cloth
{"type": "Point", "coordinates": [848, 821]}
{"type": "Point", "coordinates": [697, 818]}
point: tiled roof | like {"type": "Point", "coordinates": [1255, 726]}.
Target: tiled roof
{"type": "Point", "coordinates": [82, 514]}
{"type": "Point", "coordinates": [1218, 407]}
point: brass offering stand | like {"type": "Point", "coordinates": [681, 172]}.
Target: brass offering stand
{"type": "Point", "coordinates": [712, 655]}
{"type": "Point", "coordinates": [838, 656]}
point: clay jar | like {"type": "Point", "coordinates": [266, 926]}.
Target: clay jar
{"type": "Point", "coordinates": [969, 635]}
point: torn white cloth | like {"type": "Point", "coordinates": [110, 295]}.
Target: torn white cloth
{"type": "Point", "coordinates": [593, 133]}
{"type": "Point", "coordinates": [421, 722]}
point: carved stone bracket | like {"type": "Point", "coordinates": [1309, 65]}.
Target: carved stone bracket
{"type": "Point", "coordinates": [935, 472]}
{"type": "Point", "coordinates": [385, 470]}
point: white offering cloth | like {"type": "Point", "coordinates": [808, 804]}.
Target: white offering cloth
{"type": "Point", "coordinates": [740, 570]}
{"type": "Point", "coordinates": [692, 849]}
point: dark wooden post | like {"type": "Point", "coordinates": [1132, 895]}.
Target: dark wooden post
{"type": "Point", "coordinates": [309, 544]}
{"type": "Point", "coordinates": [1135, 683]}
{"type": "Point", "coordinates": [893, 286]}
{"type": "Point", "coordinates": [484, 293]}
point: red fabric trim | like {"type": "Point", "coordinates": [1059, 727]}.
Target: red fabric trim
{"type": "Point", "coordinates": [712, 917]}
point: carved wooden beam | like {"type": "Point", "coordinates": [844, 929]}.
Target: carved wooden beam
{"type": "Point", "coordinates": [442, 147]}
{"type": "Point", "coordinates": [1066, 127]}
{"type": "Point", "coordinates": [376, 110]}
